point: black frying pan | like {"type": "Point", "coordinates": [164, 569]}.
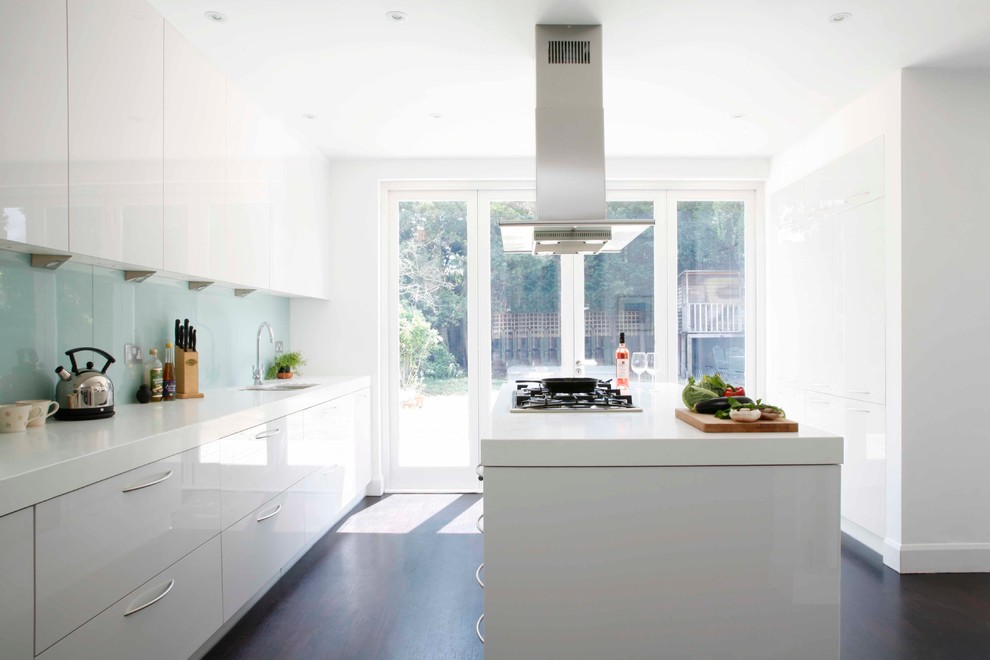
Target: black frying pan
{"type": "Point", "coordinates": [570, 385]}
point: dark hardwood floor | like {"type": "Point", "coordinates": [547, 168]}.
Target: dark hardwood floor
{"type": "Point", "coordinates": [413, 597]}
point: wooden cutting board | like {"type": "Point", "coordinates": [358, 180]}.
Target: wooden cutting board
{"type": "Point", "coordinates": [710, 424]}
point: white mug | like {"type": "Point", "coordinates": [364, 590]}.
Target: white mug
{"type": "Point", "coordinates": [14, 417]}
{"type": "Point", "coordinates": [44, 406]}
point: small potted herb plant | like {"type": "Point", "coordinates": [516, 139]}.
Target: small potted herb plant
{"type": "Point", "coordinates": [284, 365]}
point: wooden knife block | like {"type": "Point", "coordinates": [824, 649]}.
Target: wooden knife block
{"type": "Point", "coordinates": [187, 374]}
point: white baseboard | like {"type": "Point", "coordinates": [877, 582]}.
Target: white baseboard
{"type": "Point", "coordinates": [937, 557]}
{"type": "Point", "coordinates": [863, 535]}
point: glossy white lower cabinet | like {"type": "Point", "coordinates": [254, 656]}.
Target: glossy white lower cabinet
{"type": "Point", "coordinates": [96, 544]}
{"type": "Point", "coordinates": [721, 563]}
{"type": "Point", "coordinates": [259, 545]}
{"type": "Point", "coordinates": [17, 585]}
{"type": "Point", "coordinates": [167, 618]}
{"type": "Point", "coordinates": [252, 469]}
{"type": "Point", "coordinates": [324, 493]}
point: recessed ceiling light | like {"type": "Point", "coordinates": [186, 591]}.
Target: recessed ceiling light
{"type": "Point", "coordinates": [840, 17]}
{"type": "Point", "coordinates": [215, 16]}
{"type": "Point", "coordinates": [308, 115]}
{"type": "Point", "coordinates": [737, 115]}
{"type": "Point", "coordinates": [397, 16]}
{"type": "Point", "coordinates": [436, 115]}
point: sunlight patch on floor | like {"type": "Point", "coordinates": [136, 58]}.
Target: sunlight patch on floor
{"type": "Point", "coordinates": [398, 514]}
{"type": "Point", "coordinates": [466, 523]}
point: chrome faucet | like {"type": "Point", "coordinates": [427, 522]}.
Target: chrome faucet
{"type": "Point", "coordinates": [257, 364]}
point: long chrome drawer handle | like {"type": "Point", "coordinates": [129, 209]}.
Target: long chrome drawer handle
{"type": "Point", "coordinates": [857, 410]}
{"type": "Point", "coordinates": [135, 610]}
{"type": "Point", "coordinates": [278, 509]}
{"type": "Point", "coordinates": [148, 483]}
{"type": "Point", "coordinates": [478, 524]}
{"type": "Point", "coordinates": [477, 628]}
{"type": "Point", "coordinates": [477, 575]}
{"type": "Point", "coordinates": [266, 434]}
{"type": "Point", "coordinates": [858, 391]}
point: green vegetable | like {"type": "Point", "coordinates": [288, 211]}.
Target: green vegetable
{"type": "Point", "coordinates": [714, 383]}
{"type": "Point", "coordinates": [692, 394]}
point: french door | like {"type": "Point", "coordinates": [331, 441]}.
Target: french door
{"type": "Point", "coordinates": [466, 317]}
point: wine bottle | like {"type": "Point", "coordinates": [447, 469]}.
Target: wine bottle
{"type": "Point", "coordinates": [168, 374]}
{"type": "Point", "coordinates": [622, 364]}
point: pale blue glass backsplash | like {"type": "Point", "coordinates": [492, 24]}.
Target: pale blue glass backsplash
{"type": "Point", "coordinates": [45, 313]}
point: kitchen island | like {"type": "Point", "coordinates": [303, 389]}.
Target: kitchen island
{"type": "Point", "coordinates": [633, 535]}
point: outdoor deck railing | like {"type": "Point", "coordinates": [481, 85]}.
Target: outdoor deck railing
{"type": "Point", "coordinates": [712, 318]}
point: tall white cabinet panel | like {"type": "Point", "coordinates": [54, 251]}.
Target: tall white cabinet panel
{"type": "Point", "coordinates": [115, 130]}
{"type": "Point", "coordinates": [243, 255]}
{"type": "Point", "coordinates": [33, 119]}
{"type": "Point", "coordinates": [195, 147]}
{"type": "Point", "coordinates": [181, 608]}
{"type": "Point", "coordinates": [97, 543]}
{"type": "Point", "coordinates": [17, 585]}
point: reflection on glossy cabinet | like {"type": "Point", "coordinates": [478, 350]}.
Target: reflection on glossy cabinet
{"type": "Point", "coordinates": [324, 493]}
{"type": "Point", "coordinates": [181, 609]}
{"type": "Point", "coordinates": [243, 254]}
{"type": "Point", "coordinates": [252, 469]}
{"type": "Point", "coordinates": [33, 118]}
{"type": "Point", "coordinates": [195, 143]}
{"type": "Point", "coordinates": [17, 585]}
{"type": "Point", "coordinates": [259, 545]}
{"type": "Point", "coordinates": [115, 130]}
{"type": "Point", "coordinates": [95, 544]}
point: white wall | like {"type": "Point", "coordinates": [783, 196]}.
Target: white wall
{"type": "Point", "coordinates": [946, 316]}
{"type": "Point", "coordinates": [343, 335]}
{"type": "Point", "coordinates": [875, 113]}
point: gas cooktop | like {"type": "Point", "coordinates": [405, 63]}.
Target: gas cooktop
{"type": "Point", "coordinates": [532, 396]}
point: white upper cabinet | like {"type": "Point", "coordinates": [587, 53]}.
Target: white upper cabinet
{"type": "Point", "coordinates": [33, 117]}
{"type": "Point", "coordinates": [115, 131]}
{"type": "Point", "coordinates": [299, 225]}
{"type": "Point", "coordinates": [242, 256]}
{"type": "Point", "coordinates": [195, 142]}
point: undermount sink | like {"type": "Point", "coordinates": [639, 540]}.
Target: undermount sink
{"type": "Point", "coordinates": [279, 387]}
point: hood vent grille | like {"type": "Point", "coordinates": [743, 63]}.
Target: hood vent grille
{"type": "Point", "coordinates": [569, 52]}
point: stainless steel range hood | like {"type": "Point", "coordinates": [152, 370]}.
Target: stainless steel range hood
{"type": "Point", "coordinates": [570, 152]}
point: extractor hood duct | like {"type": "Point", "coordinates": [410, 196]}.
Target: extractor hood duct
{"type": "Point", "coordinates": [570, 152]}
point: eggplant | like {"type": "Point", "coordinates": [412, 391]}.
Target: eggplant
{"type": "Point", "coordinates": [712, 406]}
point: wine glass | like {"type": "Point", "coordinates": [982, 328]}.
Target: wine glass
{"type": "Point", "coordinates": [638, 365]}
{"type": "Point", "coordinates": [652, 366]}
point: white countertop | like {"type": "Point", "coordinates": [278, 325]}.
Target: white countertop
{"type": "Point", "coordinates": [45, 462]}
{"type": "Point", "coordinates": [653, 437]}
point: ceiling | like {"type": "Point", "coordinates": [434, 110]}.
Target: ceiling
{"type": "Point", "coordinates": [676, 71]}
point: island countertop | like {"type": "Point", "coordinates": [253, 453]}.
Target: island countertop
{"type": "Point", "coordinates": [653, 437]}
{"type": "Point", "coordinates": [48, 461]}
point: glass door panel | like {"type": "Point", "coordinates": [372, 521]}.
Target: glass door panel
{"type": "Point", "coordinates": [433, 436]}
{"type": "Point", "coordinates": [619, 295]}
{"type": "Point", "coordinates": [711, 288]}
{"type": "Point", "coordinates": [526, 338]}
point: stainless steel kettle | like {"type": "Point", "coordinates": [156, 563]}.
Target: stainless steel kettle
{"type": "Point", "coordinates": [84, 393]}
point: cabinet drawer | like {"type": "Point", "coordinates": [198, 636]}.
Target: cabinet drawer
{"type": "Point", "coordinates": [252, 469]}
{"type": "Point", "coordinates": [17, 585]}
{"type": "Point", "coordinates": [182, 609]}
{"type": "Point", "coordinates": [259, 545]}
{"type": "Point", "coordinates": [94, 545]}
{"type": "Point", "coordinates": [324, 493]}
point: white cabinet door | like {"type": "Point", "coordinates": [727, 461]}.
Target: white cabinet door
{"type": "Point", "coordinates": [115, 131]}
{"type": "Point", "coordinates": [195, 143]}
{"type": "Point", "coordinates": [864, 475]}
{"type": "Point", "coordinates": [299, 225]}
{"type": "Point", "coordinates": [96, 544]}
{"type": "Point", "coordinates": [862, 275]}
{"type": "Point", "coordinates": [259, 545]}
{"type": "Point", "coordinates": [34, 191]}
{"type": "Point", "coordinates": [182, 608]}
{"type": "Point", "coordinates": [242, 256]}
{"type": "Point", "coordinates": [362, 441]}
{"type": "Point", "coordinates": [251, 469]}
{"type": "Point", "coordinates": [324, 492]}
{"type": "Point", "coordinates": [17, 585]}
